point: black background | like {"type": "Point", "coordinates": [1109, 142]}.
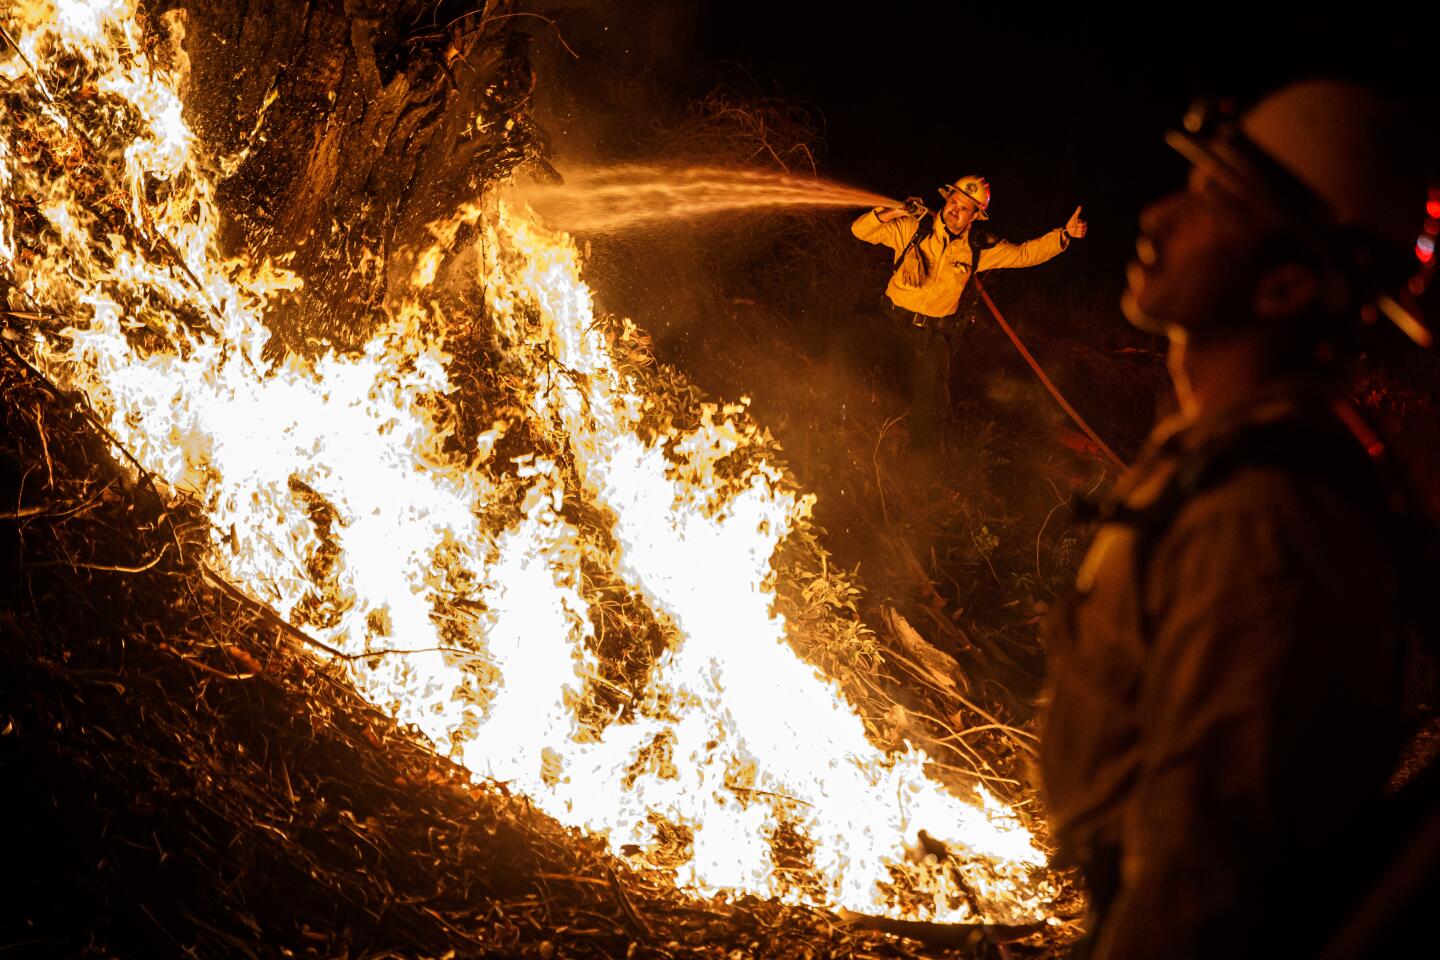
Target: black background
{"type": "Point", "coordinates": [1055, 109]}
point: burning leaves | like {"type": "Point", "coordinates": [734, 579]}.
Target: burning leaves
{"type": "Point", "coordinates": [459, 582]}
{"type": "Point", "coordinates": [188, 778]}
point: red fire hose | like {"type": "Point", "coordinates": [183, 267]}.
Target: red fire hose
{"type": "Point", "coordinates": [1049, 385]}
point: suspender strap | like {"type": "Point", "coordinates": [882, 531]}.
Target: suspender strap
{"type": "Point", "coordinates": [921, 234]}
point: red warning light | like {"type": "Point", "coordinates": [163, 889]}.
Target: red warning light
{"type": "Point", "coordinates": [1432, 209]}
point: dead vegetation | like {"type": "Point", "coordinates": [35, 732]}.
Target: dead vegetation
{"type": "Point", "coordinates": [193, 777]}
{"type": "Point", "coordinates": [729, 128]}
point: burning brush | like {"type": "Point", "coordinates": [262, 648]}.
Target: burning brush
{"type": "Point", "coordinates": [576, 599]}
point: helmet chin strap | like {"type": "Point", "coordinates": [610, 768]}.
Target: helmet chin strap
{"type": "Point", "coordinates": [1141, 320]}
{"type": "Point", "coordinates": [1405, 320]}
{"type": "Point", "coordinates": [1214, 141]}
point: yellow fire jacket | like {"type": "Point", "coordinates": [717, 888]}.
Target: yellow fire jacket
{"type": "Point", "coordinates": [934, 272]}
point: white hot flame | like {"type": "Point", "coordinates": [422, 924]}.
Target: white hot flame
{"type": "Point", "coordinates": [336, 493]}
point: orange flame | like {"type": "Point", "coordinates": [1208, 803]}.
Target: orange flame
{"type": "Point", "coordinates": [335, 496]}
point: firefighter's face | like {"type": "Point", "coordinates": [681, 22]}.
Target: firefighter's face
{"type": "Point", "coordinates": [959, 211]}
{"type": "Point", "coordinates": [1197, 258]}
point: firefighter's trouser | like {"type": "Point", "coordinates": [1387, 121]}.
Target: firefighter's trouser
{"type": "Point", "coordinates": [930, 341]}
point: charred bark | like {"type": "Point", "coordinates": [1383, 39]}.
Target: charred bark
{"type": "Point", "coordinates": [340, 129]}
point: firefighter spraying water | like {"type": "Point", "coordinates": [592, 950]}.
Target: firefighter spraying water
{"type": "Point", "coordinates": [936, 255]}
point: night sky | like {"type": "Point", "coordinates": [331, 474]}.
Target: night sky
{"type": "Point", "coordinates": [1054, 111]}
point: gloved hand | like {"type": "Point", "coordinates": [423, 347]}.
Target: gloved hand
{"type": "Point", "coordinates": [915, 207]}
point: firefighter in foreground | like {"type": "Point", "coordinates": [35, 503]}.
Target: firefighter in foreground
{"type": "Point", "coordinates": [1224, 700]}
{"type": "Point", "coordinates": [935, 257]}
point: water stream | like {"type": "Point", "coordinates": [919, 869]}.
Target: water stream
{"type": "Point", "coordinates": [616, 198]}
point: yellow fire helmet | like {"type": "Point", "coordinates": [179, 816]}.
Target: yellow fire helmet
{"type": "Point", "coordinates": [976, 188]}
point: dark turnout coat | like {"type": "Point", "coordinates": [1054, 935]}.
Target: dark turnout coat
{"type": "Point", "coordinates": [1223, 701]}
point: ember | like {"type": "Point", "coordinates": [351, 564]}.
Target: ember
{"type": "Point", "coordinates": [461, 581]}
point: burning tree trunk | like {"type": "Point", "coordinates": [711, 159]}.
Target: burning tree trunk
{"type": "Point", "coordinates": [612, 561]}
{"type": "Point", "coordinates": [344, 129]}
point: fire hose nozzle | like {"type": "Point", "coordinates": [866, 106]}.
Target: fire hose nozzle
{"type": "Point", "coordinates": [916, 207]}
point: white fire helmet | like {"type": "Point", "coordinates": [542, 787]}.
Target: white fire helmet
{"type": "Point", "coordinates": [1335, 166]}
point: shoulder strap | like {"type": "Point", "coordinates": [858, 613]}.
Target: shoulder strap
{"type": "Point", "coordinates": [980, 241]}
{"type": "Point", "coordinates": [922, 233]}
